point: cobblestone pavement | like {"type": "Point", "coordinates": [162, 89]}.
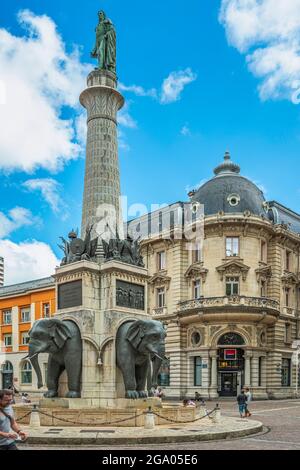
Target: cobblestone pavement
{"type": "Point", "coordinates": [280, 418]}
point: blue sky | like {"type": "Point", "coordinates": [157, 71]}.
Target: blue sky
{"type": "Point", "coordinates": [235, 100]}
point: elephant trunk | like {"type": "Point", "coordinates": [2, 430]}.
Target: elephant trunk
{"type": "Point", "coordinates": [33, 357]}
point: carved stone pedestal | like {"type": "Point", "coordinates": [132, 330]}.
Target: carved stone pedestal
{"type": "Point", "coordinates": [99, 298]}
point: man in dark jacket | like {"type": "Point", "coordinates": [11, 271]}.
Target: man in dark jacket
{"type": "Point", "coordinates": [242, 400]}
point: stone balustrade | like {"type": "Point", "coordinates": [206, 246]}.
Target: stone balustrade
{"type": "Point", "coordinates": [262, 303]}
{"type": "Point", "coordinates": [160, 311]}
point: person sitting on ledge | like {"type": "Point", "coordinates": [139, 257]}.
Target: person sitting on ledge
{"type": "Point", "coordinates": [188, 402]}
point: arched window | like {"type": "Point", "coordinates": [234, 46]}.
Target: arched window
{"type": "Point", "coordinates": [7, 375]}
{"type": "Point", "coordinates": [7, 367]}
{"type": "Point", "coordinates": [231, 339]}
{"type": "Point", "coordinates": [26, 373]}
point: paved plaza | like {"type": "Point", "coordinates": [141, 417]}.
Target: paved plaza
{"type": "Point", "coordinates": [281, 420]}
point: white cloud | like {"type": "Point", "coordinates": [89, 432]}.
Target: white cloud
{"type": "Point", "coordinates": [17, 218]}
{"type": "Point", "coordinates": [138, 90]}
{"type": "Point", "coordinates": [268, 31]}
{"type": "Point", "coordinates": [125, 119]}
{"type": "Point", "coordinates": [26, 261]}
{"type": "Point", "coordinates": [171, 87]}
{"type": "Point", "coordinates": [185, 131]}
{"type": "Point", "coordinates": [50, 190]}
{"type": "Point", "coordinates": [174, 84]}
{"type": "Point", "coordinates": [39, 78]}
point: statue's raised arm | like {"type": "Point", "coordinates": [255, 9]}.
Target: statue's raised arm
{"type": "Point", "coordinates": [105, 47]}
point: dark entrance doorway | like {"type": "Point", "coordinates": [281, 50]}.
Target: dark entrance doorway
{"type": "Point", "coordinates": [7, 375]}
{"type": "Point", "coordinates": [230, 371]}
{"type": "Point", "coordinates": [229, 384]}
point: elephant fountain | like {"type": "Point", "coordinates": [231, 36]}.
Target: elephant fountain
{"type": "Point", "coordinates": [62, 340]}
{"type": "Point", "coordinates": [137, 344]}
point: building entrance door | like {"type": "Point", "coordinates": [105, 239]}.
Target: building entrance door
{"type": "Point", "coordinates": [229, 384]}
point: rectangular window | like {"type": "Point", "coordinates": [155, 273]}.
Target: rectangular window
{"type": "Point", "coordinates": [232, 246]}
{"type": "Point", "coordinates": [260, 372]}
{"type": "Point", "coordinates": [197, 289]}
{"type": "Point", "coordinates": [232, 286]}
{"type": "Point", "coordinates": [24, 339]}
{"type": "Point", "coordinates": [172, 220]}
{"type": "Point", "coordinates": [7, 340]}
{"type": "Point", "coordinates": [263, 251]}
{"type": "Point", "coordinates": [6, 317]}
{"type": "Point", "coordinates": [161, 297]}
{"type": "Point", "coordinates": [161, 260]}
{"type": "Point", "coordinates": [288, 333]}
{"type": "Point", "coordinates": [286, 373]}
{"type": "Point", "coordinates": [196, 253]}
{"type": "Point", "coordinates": [160, 222]}
{"type": "Point", "coordinates": [263, 289]}
{"type": "Point", "coordinates": [25, 315]}
{"type": "Point", "coordinates": [46, 310]}
{"type": "Point", "coordinates": [288, 256]}
{"type": "Point", "coordinates": [197, 371]}
{"type": "Point", "coordinates": [287, 297]}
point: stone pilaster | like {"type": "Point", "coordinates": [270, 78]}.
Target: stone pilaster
{"type": "Point", "coordinates": [102, 178]}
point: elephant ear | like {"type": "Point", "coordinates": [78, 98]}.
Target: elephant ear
{"type": "Point", "coordinates": [136, 333]}
{"type": "Point", "coordinates": [59, 332]}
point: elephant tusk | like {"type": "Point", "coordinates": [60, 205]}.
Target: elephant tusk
{"type": "Point", "coordinates": [31, 357]}
{"type": "Point", "coordinates": [159, 357]}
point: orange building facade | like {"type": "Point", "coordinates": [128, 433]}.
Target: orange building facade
{"type": "Point", "coordinates": [20, 306]}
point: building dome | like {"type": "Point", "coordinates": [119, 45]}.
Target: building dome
{"type": "Point", "coordinates": [229, 192]}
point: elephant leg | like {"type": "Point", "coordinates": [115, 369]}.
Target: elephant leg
{"type": "Point", "coordinates": [53, 374]}
{"type": "Point", "coordinates": [73, 368]}
{"type": "Point", "coordinates": [128, 371]}
{"type": "Point", "coordinates": [141, 373]}
{"type": "Point", "coordinates": [149, 380]}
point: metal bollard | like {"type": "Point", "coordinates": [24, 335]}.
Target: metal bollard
{"type": "Point", "coordinates": [216, 417]}
{"type": "Point", "coordinates": [201, 410]}
{"type": "Point", "coordinates": [35, 421]}
{"type": "Point", "coordinates": [149, 419]}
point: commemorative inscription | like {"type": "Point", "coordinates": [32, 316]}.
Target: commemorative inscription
{"type": "Point", "coordinates": [130, 295]}
{"type": "Point", "coordinates": [70, 294]}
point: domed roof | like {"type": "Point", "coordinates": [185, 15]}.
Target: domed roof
{"type": "Point", "coordinates": [229, 192]}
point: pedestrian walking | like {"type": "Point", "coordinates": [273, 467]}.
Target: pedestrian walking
{"type": "Point", "coordinates": [248, 395]}
{"type": "Point", "coordinates": [241, 399]}
{"type": "Point", "coordinates": [10, 431]}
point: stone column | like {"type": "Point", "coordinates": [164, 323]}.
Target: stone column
{"type": "Point", "coordinates": [247, 370]}
{"type": "Point", "coordinates": [102, 178]}
{"type": "Point", "coordinates": [255, 371]}
{"type": "Point", "coordinates": [213, 375]}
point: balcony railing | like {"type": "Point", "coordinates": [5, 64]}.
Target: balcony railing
{"type": "Point", "coordinates": [235, 301]}
{"type": "Point", "coordinates": [160, 311]}
{"type": "Point", "coordinates": [289, 311]}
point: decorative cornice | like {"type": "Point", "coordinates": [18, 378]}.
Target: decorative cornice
{"type": "Point", "coordinates": [196, 270]}
{"type": "Point", "coordinates": [263, 273]}
{"type": "Point", "coordinates": [159, 280]}
{"type": "Point", "coordinates": [233, 267]}
{"type": "Point", "coordinates": [290, 279]}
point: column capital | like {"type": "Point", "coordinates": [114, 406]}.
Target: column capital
{"type": "Point", "coordinates": [213, 354]}
{"type": "Point", "coordinates": [248, 354]}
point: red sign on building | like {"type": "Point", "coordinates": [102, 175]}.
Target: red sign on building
{"type": "Point", "coordinates": [230, 354]}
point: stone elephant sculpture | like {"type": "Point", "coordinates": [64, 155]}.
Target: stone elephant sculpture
{"type": "Point", "coordinates": [62, 340]}
{"type": "Point", "coordinates": [137, 343]}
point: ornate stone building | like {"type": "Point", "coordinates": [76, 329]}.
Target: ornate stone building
{"type": "Point", "coordinates": [231, 303]}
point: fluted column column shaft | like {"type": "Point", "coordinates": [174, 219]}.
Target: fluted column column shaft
{"type": "Point", "coordinates": [101, 200]}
